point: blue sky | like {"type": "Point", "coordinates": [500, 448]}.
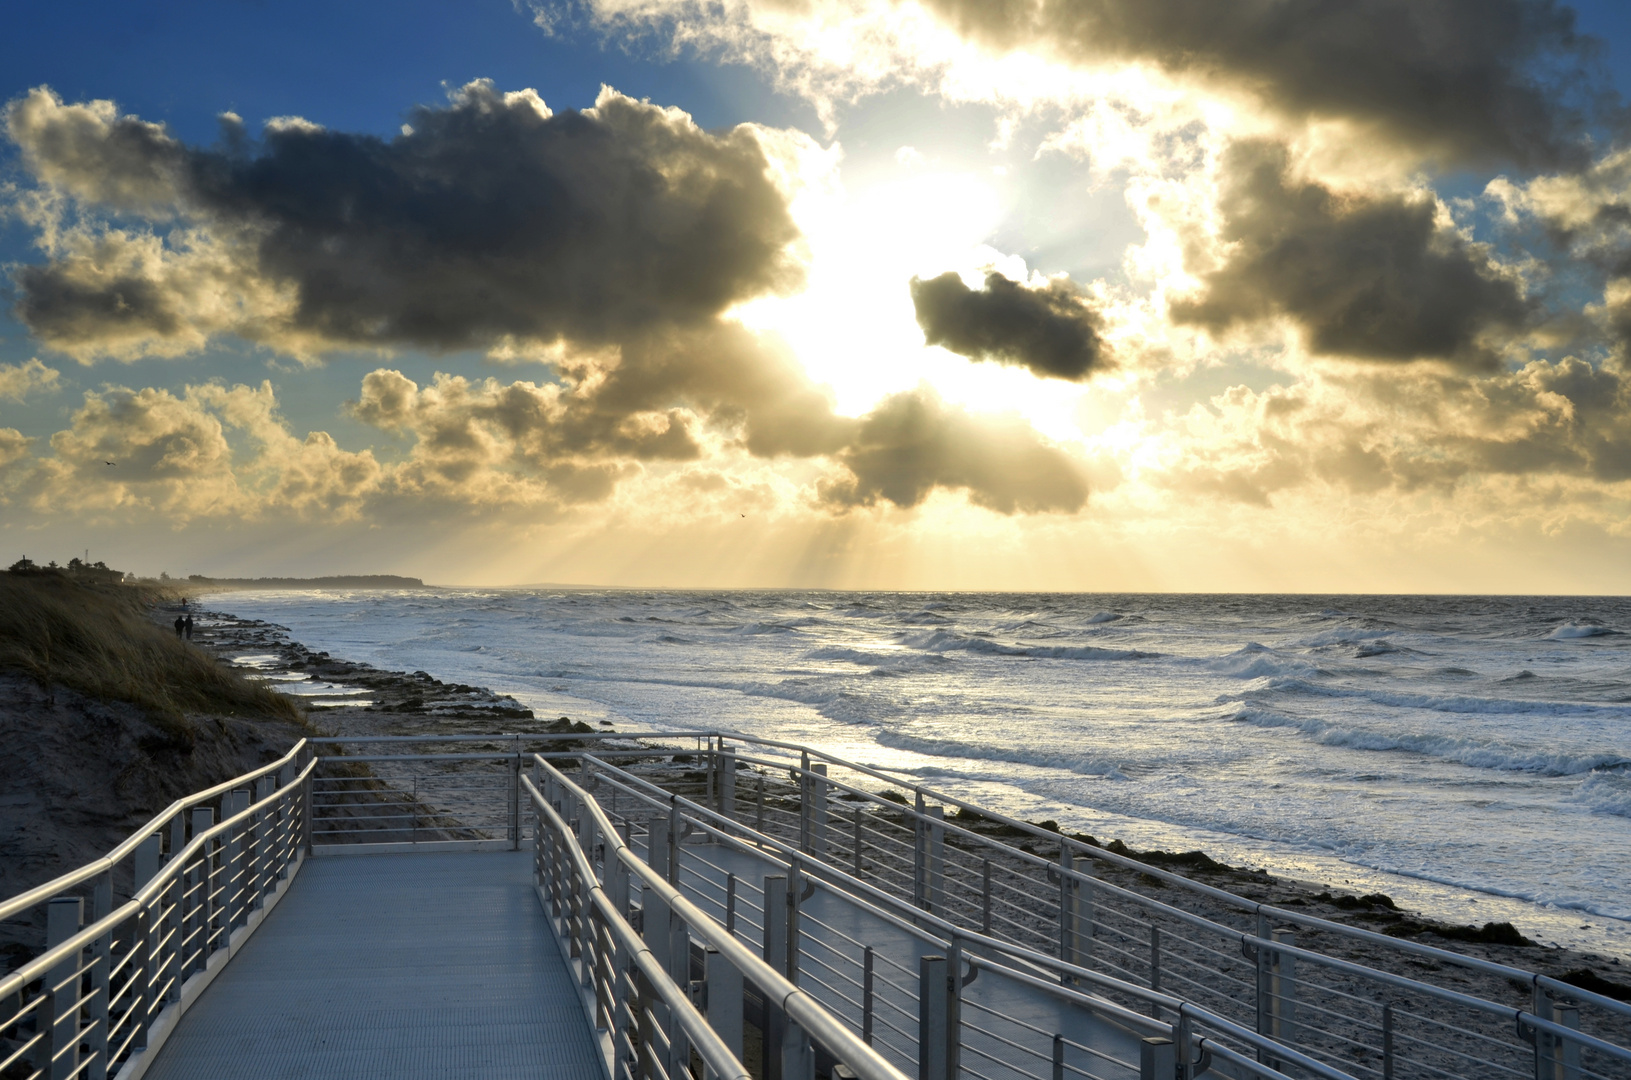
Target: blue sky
{"type": "Point", "coordinates": [1176, 414]}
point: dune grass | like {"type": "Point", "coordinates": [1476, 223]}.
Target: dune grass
{"type": "Point", "coordinates": [99, 640]}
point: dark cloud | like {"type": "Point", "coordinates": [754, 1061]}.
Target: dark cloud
{"type": "Point", "coordinates": [1050, 330]}
{"type": "Point", "coordinates": [616, 237]}
{"type": "Point", "coordinates": [493, 217]}
{"type": "Point", "coordinates": [913, 443]}
{"type": "Point", "coordinates": [1367, 277]}
{"type": "Point", "coordinates": [1468, 80]}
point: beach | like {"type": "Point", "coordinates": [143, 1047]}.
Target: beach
{"type": "Point", "coordinates": [417, 702]}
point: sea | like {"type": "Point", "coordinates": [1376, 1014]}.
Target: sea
{"type": "Point", "coordinates": [1469, 756]}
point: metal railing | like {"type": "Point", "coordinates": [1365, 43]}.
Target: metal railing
{"type": "Point", "coordinates": [676, 976]}
{"type": "Point", "coordinates": [644, 986]}
{"type": "Point", "coordinates": [916, 1011]}
{"type": "Point", "coordinates": [1362, 1020]}
{"type": "Point", "coordinates": [108, 989]}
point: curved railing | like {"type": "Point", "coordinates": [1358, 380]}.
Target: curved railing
{"type": "Point", "coordinates": [108, 990]}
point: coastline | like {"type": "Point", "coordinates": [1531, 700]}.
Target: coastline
{"type": "Point", "coordinates": [401, 703]}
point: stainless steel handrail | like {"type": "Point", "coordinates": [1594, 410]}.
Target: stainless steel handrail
{"type": "Point", "coordinates": [804, 1010]}
{"type": "Point", "coordinates": [858, 891]}
{"type": "Point", "coordinates": [58, 885]}
{"type": "Point", "coordinates": [709, 1046]}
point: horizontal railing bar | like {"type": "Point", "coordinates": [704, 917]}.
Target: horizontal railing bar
{"type": "Point", "coordinates": [58, 885]}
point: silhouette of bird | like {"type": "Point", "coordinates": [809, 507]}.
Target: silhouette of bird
{"type": "Point", "coordinates": [107, 463]}
{"type": "Point", "coordinates": [744, 515]}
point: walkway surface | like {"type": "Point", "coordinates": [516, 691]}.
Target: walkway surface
{"type": "Point", "coordinates": [393, 966]}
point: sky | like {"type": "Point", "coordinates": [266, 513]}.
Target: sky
{"type": "Point", "coordinates": [1106, 295]}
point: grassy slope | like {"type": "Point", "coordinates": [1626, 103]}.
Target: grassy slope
{"type": "Point", "coordinates": [99, 640]}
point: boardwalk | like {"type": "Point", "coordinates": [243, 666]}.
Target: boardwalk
{"type": "Point", "coordinates": [398, 966]}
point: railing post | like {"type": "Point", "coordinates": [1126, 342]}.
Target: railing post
{"type": "Point", "coordinates": [653, 909]}
{"type": "Point", "coordinates": [101, 981]}
{"type": "Point", "coordinates": [724, 1002]}
{"type": "Point", "coordinates": [954, 1010]}
{"type": "Point", "coordinates": [64, 916]}
{"type": "Point", "coordinates": [237, 869]}
{"type": "Point", "coordinates": [798, 1056]}
{"type": "Point", "coordinates": [859, 843]}
{"type": "Point", "coordinates": [679, 971]}
{"type": "Point", "coordinates": [868, 1002]}
{"type": "Point", "coordinates": [920, 855]}
{"type": "Point", "coordinates": [262, 848]}
{"type": "Point", "coordinates": [1059, 1058]}
{"type": "Point", "coordinates": [645, 1027]}
{"type": "Point", "coordinates": [1567, 1013]}
{"type": "Point", "coordinates": [985, 897]}
{"type": "Point", "coordinates": [804, 802]}
{"type": "Point", "coordinates": [305, 801]}
{"type": "Point", "coordinates": [775, 954]}
{"type": "Point", "coordinates": [795, 903]}
{"type": "Point", "coordinates": [727, 782]}
{"type": "Point", "coordinates": [1067, 907]}
{"type": "Point", "coordinates": [730, 904]}
{"type": "Point", "coordinates": [515, 802]}
{"type": "Point", "coordinates": [818, 810]}
{"type": "Point", "coordinates": [937, 861]}
{"type": "Point", "coordinates": [1157, 1059]}
{"type": "Point", "coordinates": [759, 802]}
{"type": "Point", "coordinates": [1285, 987]}
{"type": "Point", "coordinates": [712, 800]}
{"type": "Point", "coordinates": [1265, 1013]}
{"type": "Point", "coordinates": [203, 910]}
{"type": "Point", "coordinates": [1155, 968]}
{"type": "Point", "coordinates": [931, 1019]}
{"type": "Point", "coordinates": [1184, 1036]}
{"type": "Point", "coordinates": [144, 964]}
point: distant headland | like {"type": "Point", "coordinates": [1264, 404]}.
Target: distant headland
{"type": "Point", "coordinates": [337, 581]}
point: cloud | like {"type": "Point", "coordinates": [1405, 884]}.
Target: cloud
{"type": "Point", "coordinates": [1469, 80]}
{"type": "Point", "coordinates": [1368, 276]}
{"type": "Point", "coordinates": [17, 381]}
{"type": "Point", "coordinates": [13, 447]}
{"type": "Point", "coordinates": [494, 218]}
{"type": "Point", "coordinates": [1052, 330]}
{"type": "Point", "coordinates": [1465, 81]}
{"type": "Point", "coordinates": [913, 443]}
{"type": "Point", "coordinates": [608, 244]}
{"type": "Point", "coordinates": [209, 452]}
{"type": "Point", "coordinates": [1365, 432]}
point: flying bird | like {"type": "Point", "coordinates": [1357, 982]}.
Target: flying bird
{"type": "Point", "coordinates": [107, 463]}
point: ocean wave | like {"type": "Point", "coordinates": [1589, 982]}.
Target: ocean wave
{"type": "Point", "coordinates": [1469, 752]}
{"type": "Point", "coordinates": [1103, 617]}
{"type": "Point", "coordinates": [1607, 791]}
{"type": "Point", "coordinates": [1571, 631]}
{"type": "Point", "coordinates": [1083, 766]}
{"type": "Point", "coordinates": [874, 658]}
{"type": "Point", "coordinates": [1254, 661]}
{"type": "Point", "coordinates": [1444, 703]}
{"type": "Point", "coordinates": [941, 641]}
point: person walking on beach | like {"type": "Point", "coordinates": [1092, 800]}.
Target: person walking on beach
{"type": "Point", "coordinates": [189, 626]}
{"type": "Point", "coordinates": [181, 626]}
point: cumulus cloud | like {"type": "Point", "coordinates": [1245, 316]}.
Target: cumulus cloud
{"type": "Point", "coordinates": [1365, 433]}
{"type": "Point", "coordinates": [913, 443]}
{"type": "Point", "coordinates": [1463, 80]}
{"type": "Point", "coordinates": [1367, 276]}
{"type": "Point", "coordinates": [1052, 330]}
{"type": "Point", "coordinates": [208, 452]}
{"type": "Point", "coordinates": [608, 244]}
{"type": "Point", "coordinates": [17, 381]}
{"type": "Point", "coordinates": [13, 446]}
{"type": "Point", "coordinates": [1471, 80]}
{"type": "Point", "coordinates": [494, 217]}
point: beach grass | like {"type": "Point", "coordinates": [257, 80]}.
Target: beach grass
{"type": "Point", "coordinates": [99, 639]}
